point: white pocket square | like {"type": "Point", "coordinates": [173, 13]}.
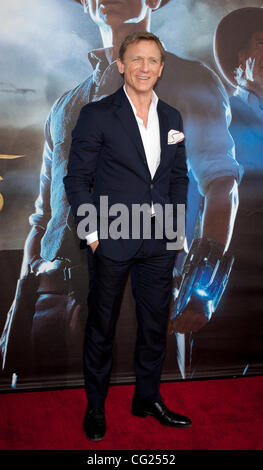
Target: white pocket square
{"type": "Point", "coordinates": [175, 136]}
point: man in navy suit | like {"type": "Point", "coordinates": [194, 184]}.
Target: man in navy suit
{"type": "Point", "coordinates": [120, 149]}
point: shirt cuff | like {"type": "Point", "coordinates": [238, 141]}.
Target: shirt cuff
{"type": "Point", "coordinates": [92, 237]}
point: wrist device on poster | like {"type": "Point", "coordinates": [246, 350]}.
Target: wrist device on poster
{"type": "Point", "coordinates": [203, 279]}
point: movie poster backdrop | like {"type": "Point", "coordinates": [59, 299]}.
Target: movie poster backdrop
{"type": "Point", "coordinates": [55, 58]}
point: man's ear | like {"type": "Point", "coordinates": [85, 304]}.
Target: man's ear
{"type": "Point", "coordinates": [161, 71]}
{"type": "Point", "coordinates": [120, 65]}
{"type": "Point", "coordinates": [153, 4]}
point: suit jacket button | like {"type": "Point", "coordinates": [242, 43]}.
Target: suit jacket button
{"type": "Point", "coordinates": [151, 186]}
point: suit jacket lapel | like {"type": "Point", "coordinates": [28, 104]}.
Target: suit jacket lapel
{"type": "Point", "coordinates": [126, 115]}
{"type": "Point", "coordinates": [163, 123]}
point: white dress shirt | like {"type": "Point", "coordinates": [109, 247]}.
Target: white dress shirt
{"type": "Point", "coordinates": [151, 142]}
{"type": "Point", "coordinates": [151, 134]}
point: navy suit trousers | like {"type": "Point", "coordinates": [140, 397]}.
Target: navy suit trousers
{"type": "Point", "coordinates": [151, 272]}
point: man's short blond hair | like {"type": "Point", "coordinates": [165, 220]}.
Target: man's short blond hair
{"type": "Point", "coordinates": [140, 36]}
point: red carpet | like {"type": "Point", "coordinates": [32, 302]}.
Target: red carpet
{"type": "Point", "coordinates": [226, 414]}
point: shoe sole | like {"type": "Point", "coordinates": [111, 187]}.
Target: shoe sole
{"type": "Point", "coordinates": [144, 414]}
{"type": "Point", "coordinates": [94, 438]}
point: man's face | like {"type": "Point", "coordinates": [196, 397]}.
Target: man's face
{"type": "Point", "coordinates": [141, 66]}
{"type": "Point", "coordinates": [251, 60]}
{"type": "Point", "coordinates": [116, 12]}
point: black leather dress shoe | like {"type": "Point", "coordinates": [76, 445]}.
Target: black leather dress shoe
{"type": "Point", "coordinates": [159, 410]}
{"type": "Point", "coordinates": [94, 424]}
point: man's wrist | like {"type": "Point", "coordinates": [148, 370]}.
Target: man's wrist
{"type": "Point", "coordinates": [92, 237]}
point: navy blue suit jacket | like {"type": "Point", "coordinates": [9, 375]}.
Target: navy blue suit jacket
{"type": "Point", "coordinates": [107, 158]}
